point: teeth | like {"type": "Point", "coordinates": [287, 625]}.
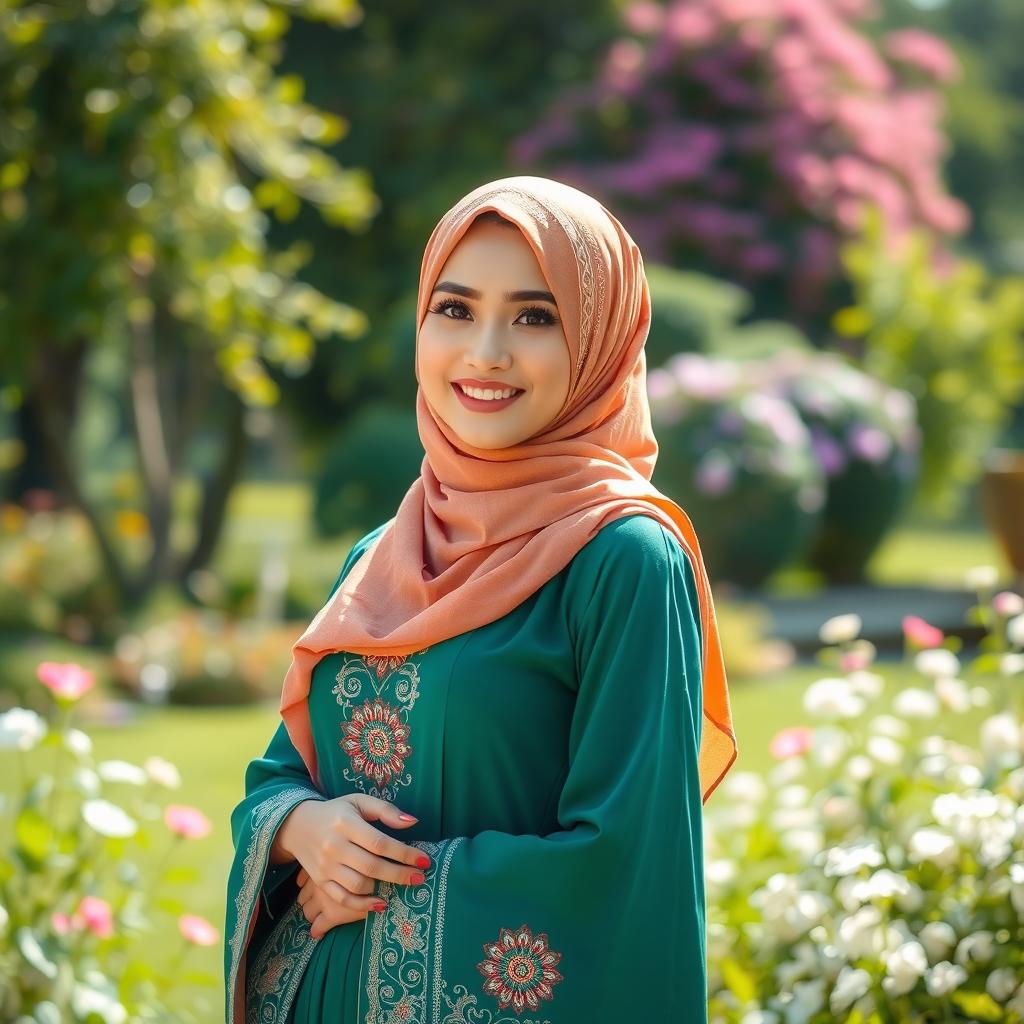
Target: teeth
{"type": "Point", "coordinates": [487, 394]}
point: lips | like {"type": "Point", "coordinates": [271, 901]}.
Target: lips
{"type": "Point", "coordinates": [484, 404]}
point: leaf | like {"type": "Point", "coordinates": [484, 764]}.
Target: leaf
{"type": "Point", "coordinates": [977, 1005]}
{"type": "Point", "coordinates": [738, 981]}
{"type": "Point", "coordinates": [181, 873]}
{"type": "Point", "coordinates": [34, 833]}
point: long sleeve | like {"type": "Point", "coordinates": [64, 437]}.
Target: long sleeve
{"type": "Point", "coordinates": [602, 920]}
{"type": "Point", "coordinates": [275, 784]}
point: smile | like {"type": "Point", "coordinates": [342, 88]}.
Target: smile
{"type": "Point", "coordinates": [484, 404]}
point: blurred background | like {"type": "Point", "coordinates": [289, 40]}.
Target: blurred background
{"type": "Point", "coordinates": [212, 216]}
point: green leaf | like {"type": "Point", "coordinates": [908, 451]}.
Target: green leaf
{"type": "Point", "coordinates": [181, 873]}
{"type": "Point", "coordinates": [977, 1005]}
{"type": "Point", "coordinates": [738, 981]}
{"type": "Point", "coordinates": [34, 833]}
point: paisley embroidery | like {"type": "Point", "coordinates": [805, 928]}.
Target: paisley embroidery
{"type": "Point", "coordinates": [273, 979]}
{"type": "Point", "coordinates": [375, 732]}
{"type": "Point", "coordinates": [519, 969]}
{"type": "Point", "coordinates": [404, 979]}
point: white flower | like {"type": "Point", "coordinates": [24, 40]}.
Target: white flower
{"type": "Point", "coordinates": [861, 934]}
{"type": "Point", "coordinates": [1015, 631]}
{"type": "Point", "coordinates": [793, 795]}
{"type": "Point", "coordinates": [840, 629]}
{"type": "Point", "coordinates": [166, 774]}
{"type": "Point", "coordinates": [87, 1000]}
{"type": "Point", "coordinates": [980, 697]}
{"type": "Point", "coordinates": [3, 917]}
{"type": "Point", "coordinates": [889, 725]}
{"type": "Point", "coordinates": [933, 845]}
{"type": "Point", "coordinates": [848, 859]}
{"type": "Point", "coordinates": [1015, 780]}
{"type": "Point", "coordinates": [1000, 734]}
{"type": "Point", "coordinates": [760, 1017]}
{"type": "Point", "coordinates": [805, 843]}
{"type": "Point", "coordinates": [720, 871]}
{"type": "Point", "coordinates": [805, 964]}
{"type": "Point", "coordinates": [1017, 1002]}
{"type": "Point", "coordinates": [981, 577]}
{"type": "Point", "coordinates": [883, 884]}
{"type": "Point", "coordinates": [108, 819]}
{"type": "Point", "coordinates": [936, 661]}
{"type": "Point", "coordinates": [21, 729]}
{"type": "Point", "coordinates": [1010, 665]}
{"type": "Point", "coordinates": [121, 771]}
{"type": "Point", "coordinates": [860, 768]}
{"type": "Point", "coordinates": [850, 985]}
{"type": "Point", "coordinates": [914, 702]}
{"type": "Point", "coordinates": [808, 999]}
{"type": "Point", "coordinates": [953, 693]}
{"type": "Point", "coordinates": [1017, 888]}
{"type": "Point", "coordinates": [885, 750]}
{"type": "Point", "coordinates": [944, 978]}
{"type": "Point", "coordinates": [978, 948]}
{"type": "Point", "coordinates": [87, 781]}
{"type": "Point", "coordinates": [78, 742]}
{"type": "Point", "coordinates": [832, 698]}
{"type": "Point", "coordinates": [938, 938]}
{"type": "Point", "coordinates": [904, 967]}
{"type": "Point", "coordinates": [865, 684]}
{"type": "Point", "coordinates": [1001, 983]}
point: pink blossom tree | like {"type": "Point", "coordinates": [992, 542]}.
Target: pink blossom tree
{"type": "Point", "coordinates": [746, 137]}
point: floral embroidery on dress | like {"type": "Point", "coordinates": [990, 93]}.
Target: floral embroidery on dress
{"type": "Point", "coordinates": [375, 732]}
{"type": "Point", "coordinates": [375, 741]}
{"type": "Point", "coordinates": [520, 969]}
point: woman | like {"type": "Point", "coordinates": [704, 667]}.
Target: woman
{"type": "Point", "coordinates": [518, 678]}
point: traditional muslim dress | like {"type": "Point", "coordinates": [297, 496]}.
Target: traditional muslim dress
{"type": "Point", "coordinates": [526, 658]}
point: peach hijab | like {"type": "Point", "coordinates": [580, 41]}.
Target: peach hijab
{"type": "Point", "coordinates": [479, 530]}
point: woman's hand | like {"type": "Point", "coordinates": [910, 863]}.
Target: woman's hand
{"type": "Point", "coordinates": [324, 913]}
{"type": "Point", "coordinates": [343, 854]}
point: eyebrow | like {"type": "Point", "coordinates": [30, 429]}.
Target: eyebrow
{"type": "Point", "coordinates": [472, 293]}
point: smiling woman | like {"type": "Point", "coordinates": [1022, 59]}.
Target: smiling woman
{"type": "Point", "coordinates": [525, 658]}
{"type": "Point", "coordinates": [482, 339]}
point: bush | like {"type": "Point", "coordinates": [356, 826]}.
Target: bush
{"type": "Point", "coordinates": [877, 875]}
{"type": "Point", "coordinates": [865, 437]}
{"type": "Point", "coordinates": [739, 461]}
{"type": "Point", "coordinates": [77, 917]}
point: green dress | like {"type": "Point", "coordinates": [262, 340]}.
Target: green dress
{"type": "Point", "coordinates": [551, 758]}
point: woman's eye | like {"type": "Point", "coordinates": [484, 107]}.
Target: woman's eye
{"type": "Point", "coordinates": [446, 304]}
{"type": "Point", "coordinates": [538, 316]}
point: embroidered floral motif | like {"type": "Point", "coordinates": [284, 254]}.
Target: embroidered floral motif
{"type": "Point", "coordinates": [274, 977]}
{"type": "Point", "coordinates": [375, 741]}
{"type": "Point", "coordinates": [519, 969]}
{"type": "Point", "coordinates": [375, 733]}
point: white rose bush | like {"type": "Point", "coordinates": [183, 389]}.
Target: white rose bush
{"type": "Point", "coordinates": [877, 874]}
{"type": "Point", "coordinates": [80, 919]}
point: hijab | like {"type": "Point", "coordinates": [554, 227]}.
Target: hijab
{"type": "Point", "coordinates": [480, 530]}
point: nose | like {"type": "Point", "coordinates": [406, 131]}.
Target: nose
{"type": "Point", "coordinates": [486, 350]}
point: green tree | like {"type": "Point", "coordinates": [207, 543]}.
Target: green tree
{"type": "Point", "coordinates": [143, 144]}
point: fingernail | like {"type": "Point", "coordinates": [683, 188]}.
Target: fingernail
{"type": "Point", "coordinates": [417, 879]}
{"type": "Point", "coordinates": [406, 817]}
{"type": "Point", "coordinates": [423, 862]}
{"type": "Point", "coordinates": [379, 906]}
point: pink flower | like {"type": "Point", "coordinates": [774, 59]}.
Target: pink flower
{"type": "Point", "coordinates": [644, 17]}
{"type": "Point", "coordinates": [1007, 604]}
{"type": "Point", "coordinates": [189, 822]}
{"type": "Point", "coordinates": [63, 924]}
{"type": "Point", "coordinates": [920, 633]}
{"type": "Point", "coordinates": [97, 916]}
{"type": "Point", "coordinates": [854, 661]}
{"type": "Point", "coordinates": [924, 51]}
{"type": "Point", "coordinates": [66, 681]}
{"type": "Point", "coordinates": [791, 742]}
{"type": "Point", "coordinates": [198, 930]}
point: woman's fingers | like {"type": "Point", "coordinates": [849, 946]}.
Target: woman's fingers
{"type": "Point", "coordinates": [372, 808]}
{"type": "Point", "coordinates": [381, 845]}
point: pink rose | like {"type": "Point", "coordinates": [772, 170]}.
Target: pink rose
{"type": "Point", "coordinates": [920, 633]}
{"type": "Point", "coordinates": [97, 916]}
{"type": "Point", "coordinates": [66, 681]}
{"type": "Point", "coordinates": [198, 930]}
{"type": "Point", "coordinates": [189, 822]}
{"type": "Point", "coordinates": [791, 742]}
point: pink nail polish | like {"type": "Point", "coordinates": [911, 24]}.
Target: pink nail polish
{"type": "Point", "coordinates": [423, 862]}
{"type": "Point", "coordinates": [417, 879]}
{"type": "Point", "coordinates": [379, 907]}
{"type": "Point", "coordinates": [406, 817]}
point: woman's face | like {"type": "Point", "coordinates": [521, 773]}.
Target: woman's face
{"type": "Point", "coordinates": [492, 325]}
